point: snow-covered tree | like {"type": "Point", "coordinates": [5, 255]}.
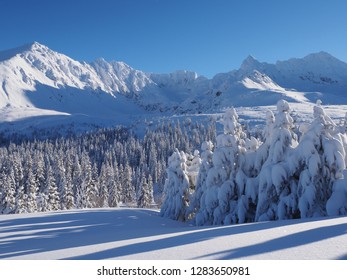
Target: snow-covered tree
{"type": "Point", "coordinates": [267, 135]}
{"type": "Point", "coordinates": [145, 198]}
{"type": "Point", "coordinates": [103, 187]}
{"type": "Point", "coordinates": [39, 171]}
{"type": "Point", "coordinates": [150, 190]}
{"type": "Point", "coordinates": [234, 188]}
{"type": "Point", "coordinates": [128, 189]}
{"type": "Point", "coordinates": [321, 157]}
{"type": "Point", "coordinates": [7, 202]}
{"type": "Point", "coordinates": [193, 166]}
{"type": "Point", "coordinates": [52, 194]}
{"type": "Point", "coordinates": [219, 200]}
{"type": "Point", "coordinates": [31, 187]}
{"type": "Point", "coordinates": [197, 205]}
{"type": "Point", "coordinates": [60, 178]}
{"type": "Point", "coordinates": [275, 186]}
{"type": "Point", "coordinates": [114, 186]}
{"type": "Point", "coordinates": [337, 203]}
{"type": "Point", "coordinates": [78, 188]}
{"type": "Point", "coordinates": [89, 182]}
{"type": "Point", "coordinates": [244, 203]}
{"type": "Point", "coordinates": [176, 188]}
{"type": "Point", "coordinates": [68, 197]}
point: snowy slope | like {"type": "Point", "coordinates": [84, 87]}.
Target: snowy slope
{"type": "Point", "coordinates": [141, 234]}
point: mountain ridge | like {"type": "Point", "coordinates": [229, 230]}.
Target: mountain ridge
{"type": "Point", "coordinates": [34, 76]}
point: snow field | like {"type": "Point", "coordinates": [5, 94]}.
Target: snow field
{"type": "Point", "coordinates": [133, 234]}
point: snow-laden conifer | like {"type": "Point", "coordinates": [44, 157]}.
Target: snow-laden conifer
{"type": "Point", "coordinates": [7, 199]}
{"type": "Point", "coordinates": [51, 189]}
{"type": "Point", "coordinates": [274, 178]}
{"type": "Point", "coordinates": [30, 185]}
{"type": "Point", "coordinates": [128, 188]}
{"type": "Point", "coordinates": [321, 156]}
{"type": "Point", "coordinates": [219, 198]}
{"type": "Point", "coordinates": [337, 203]}
{"type": "Point", "coordinates": [197, 206]}
{"type": "Point", "coordinates": [145, 197]}
{"type": "Point", "coordinates": [176, 188]}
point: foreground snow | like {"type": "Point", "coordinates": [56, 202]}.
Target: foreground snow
{"type": "Point", "coordinates": [141, 234]}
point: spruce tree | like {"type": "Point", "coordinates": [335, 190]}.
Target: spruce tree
{"type": "Point", "coordinates": [322, 161]}
{"type": "Point", "coordinates": [7, 205]}
{"type": "Point", "coordinates": [31, 187]}
{"type": "Point", "coordinates": [52, 194]}
{"type": "Point", "coordinates": [176, 190]}
{"type": "Point", "coordinates": [275, 174]}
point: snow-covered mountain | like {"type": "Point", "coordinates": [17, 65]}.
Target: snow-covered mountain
{"type": "Point", "coordinates": [33, 76]}
{"type": "Point", "coordinates": [40, 81]}
{"type": "Point", "coordinates": [318, 73]}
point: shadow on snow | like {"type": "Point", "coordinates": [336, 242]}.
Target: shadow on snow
{"type": "Point", "coordinates": [71, 229]}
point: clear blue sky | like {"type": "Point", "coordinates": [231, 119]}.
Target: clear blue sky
{"type": "Point", "coordinates": [206, 36]}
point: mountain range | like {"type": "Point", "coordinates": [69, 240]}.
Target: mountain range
{"type": "Point", "coordinates": [35, 81]}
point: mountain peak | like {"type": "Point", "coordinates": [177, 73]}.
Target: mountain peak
{"type": "Point", "coordinates": [319, 56]}
{"type": "Point", "coordinates": [319, 63]}
{"type": "Point", "coordinates": [34, 46]}
{"type": "Point", "coordinates": [251, 59]}
{"type": "Point", "coordinates": [249, 64]}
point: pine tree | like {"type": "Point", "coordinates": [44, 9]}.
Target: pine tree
{"type": "Point", "coordinates": [150, 190]}
{"type": "Point", "coordinates": [18, 172]}
{"type": "Point", "coordinates": [153, 160]}
{"type": "Point", "coordinates": [7, 205]}
{"type": "Point", "coordinates": [193, 169]}
{"type": "Point", "coordinates": [21, 197]}
{"type": "Point", "coordinates": [176, 189]}
{"type": "Point", "coordinates": [52, 194]}
{"type": "Point", "coordinates": [39, 171]}
{"type": "Point", "coordinates": [103, 187]}
{"type": "Point", "coordinates": [197, 206]}
{"type": "Point", "coordinates": [322, 161]}
{"type": "Point", "coordinates": [114, 186]}
{"type": "Point", "coordinates": [60, 179]}
{"type": "Point", "coordinates": [145, 198]}
{"type": "Point", "coordinates": [31, 187]}
{"type": "Point", "coordinates": [274, 178]}
{"type": "Point", "coordinates": [218, 203]}
{"type": "Point", "coordinates": [68, 198]}
{"type": "Point", "coordinates": [78, 188]}
{"type": "Point", "coordinates": [128, 189]}
{"type": "Point", "coordinates": [337, 203]}
{"type": "Point", "coordinates": [3, 181]}
{"type": "Point", "coordinates": [88, 188]}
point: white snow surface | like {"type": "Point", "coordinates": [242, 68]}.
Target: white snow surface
{"type": "Point", "coordinates": [124, 233]}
